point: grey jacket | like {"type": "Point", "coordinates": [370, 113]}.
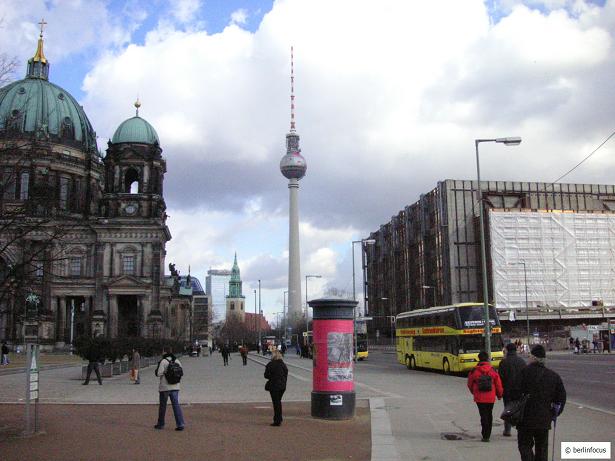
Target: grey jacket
{"type": "Point", "coordinates": [161, 369]}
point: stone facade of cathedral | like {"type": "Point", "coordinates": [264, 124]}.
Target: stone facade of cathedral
{"type": "Point", "coordinates": [82, 235]}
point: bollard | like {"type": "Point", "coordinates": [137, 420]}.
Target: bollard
{"type": "Point", "coordinates": [333, 395]}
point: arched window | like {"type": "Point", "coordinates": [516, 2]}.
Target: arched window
{"type": "Point", "coordinates": [232, 306]}
{"type": "Point", "coordinates": [131, 181]}
{"type": "Point", "coordinates": [68, 130]}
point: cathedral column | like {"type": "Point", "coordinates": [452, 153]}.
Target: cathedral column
{"type": "Point", "coordinates": [142, 315]}
{"type": "Point", "coordinates": [113, 316]}
{"type": "Point", "coordinates": [61, 323]}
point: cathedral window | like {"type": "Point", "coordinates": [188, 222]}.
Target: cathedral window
{"type": "Point", "coordinates": [24, 186]}
{"type": "Point", "coordinates": [232, 306]}
{"type": "Point", "coordinates": [38, 268]}
{"type": "Point", "coordinates": [63, 193]}
{"type": "Point", "coordinates": [8, 184]}
{"type": "Point", "coordinates": [75, 267]}
{"type": "Point", "coordinates": [67, 131]}
{"type": "Point", "coordinates": [131, 181]}
{"type": "Point", "coordinates": [128, 264]}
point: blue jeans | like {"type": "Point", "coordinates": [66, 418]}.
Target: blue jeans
{"type": "Point", "coordinates": [177, 411]}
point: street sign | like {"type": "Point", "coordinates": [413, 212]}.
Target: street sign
{"type": "Point", "coordinates": [32, 385]}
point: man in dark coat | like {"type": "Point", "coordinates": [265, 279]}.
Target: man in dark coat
{"type": "Point", "coordinates": [276, 374]}
{"type": "Point", "coordinates": [510, 371]}
{"type": "Point", "coordinates": [547, 397]}
{"type": "Point", "coordinates": [225, 353]}
{"type": "Point", "coordinates": [94, 356]}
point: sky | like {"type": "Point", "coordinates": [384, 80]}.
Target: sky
{"type": "Point", "coordinates": [390, 96]}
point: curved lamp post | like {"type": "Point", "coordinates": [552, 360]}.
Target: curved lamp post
{"type": "Point", "coordinates": [513, 141]}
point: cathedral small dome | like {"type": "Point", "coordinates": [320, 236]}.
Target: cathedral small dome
{"type": "Point", "coordinates": [135, 130]}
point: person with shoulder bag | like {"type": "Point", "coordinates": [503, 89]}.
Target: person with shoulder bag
{"type": "Point", "coordinates": [170, 372]}
{"type": "Point", "coordinates": [485, 385]}
{"type": "Point", "coordinates": [510, 370]}
{"type": "Point", "coordinates": [136, 366]}
{"type": "Point", "coordinates": [546, 398]}
{"type": "Point", "coordinates": [276, 374]}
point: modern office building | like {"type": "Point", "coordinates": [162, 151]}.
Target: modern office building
{"type": "Point", "coordinates": [555, 240]}
{"type": "Point", "coordinates": [216, 286]}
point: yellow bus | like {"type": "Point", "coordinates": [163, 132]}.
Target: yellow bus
{"type": "Point", "coordinates": [446, 338]}
{"type": "Point", "coordinates": [362, 350]}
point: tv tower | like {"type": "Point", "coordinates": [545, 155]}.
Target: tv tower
{"type": "Point", "coordinates": [293, 167]}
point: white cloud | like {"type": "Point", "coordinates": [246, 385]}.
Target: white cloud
{"type": "Point", "coordinates": [239, 16]}
{"type": "Point", "coordinates": [184, 11]}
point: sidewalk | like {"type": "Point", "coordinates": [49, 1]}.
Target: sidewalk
{"type": "Point", "coordinates": [228, 415]}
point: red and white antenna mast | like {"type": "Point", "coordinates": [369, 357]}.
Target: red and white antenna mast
{"type": "Point", "coordinates": [292, 91]}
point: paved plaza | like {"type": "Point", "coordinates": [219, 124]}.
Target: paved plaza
{"type": "Point", "coordinates": [401, 415]}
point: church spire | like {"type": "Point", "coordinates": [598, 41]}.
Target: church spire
{"type": "Point", "coordinates": [234, 285]}
{"type": "Point", "coordinates": [38, 66]}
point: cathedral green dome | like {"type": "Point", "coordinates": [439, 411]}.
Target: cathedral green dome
{"type": "Point", "coordinates": [135, 130]}
{"type": "Point", "coordinates": [35, 107]}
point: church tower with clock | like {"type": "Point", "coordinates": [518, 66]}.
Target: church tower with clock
{"type": "Point", "coordinates": [132, 229]}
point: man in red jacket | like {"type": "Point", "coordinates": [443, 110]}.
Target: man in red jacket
{"type": "Point", "coordinates": [485, 385]}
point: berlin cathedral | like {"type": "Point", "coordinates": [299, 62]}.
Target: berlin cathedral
{"type": "Point", "coordinates": [82, 235]}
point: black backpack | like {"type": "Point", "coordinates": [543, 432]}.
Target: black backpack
{"type": "Point", "coordinates": [174, 372]}
{"type": "Point", "coordinates": [485, 382]}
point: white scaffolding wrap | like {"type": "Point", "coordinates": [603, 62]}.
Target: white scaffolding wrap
{"type": "Point", "coordinates": [569, 258]}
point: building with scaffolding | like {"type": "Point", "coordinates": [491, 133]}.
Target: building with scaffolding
{"type": "Point", "coordinates": [555, 241]}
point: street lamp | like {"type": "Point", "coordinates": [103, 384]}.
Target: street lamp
{"type": "Point", "coordinates": [429, 287]}
{"type": "Point", "coordinates": [260, 311]}
{"type": "Point", "coordinates": [354, 292]}
{"type": "Point", "coordinates": [513, 141]}
{"type": "Point", "coordinates": [307, 312]}
{"type": "Point", "coordinates": [285, 321]}
{"type": "Point", "coordinates": [392, 321]}
{"type": "Point", "coordinates": [527, 305]}
{"type": "Point", "coordinates": [255, 316]}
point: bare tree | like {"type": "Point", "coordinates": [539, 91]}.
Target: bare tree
{"type": "Point", "coordinates": [338, 292]}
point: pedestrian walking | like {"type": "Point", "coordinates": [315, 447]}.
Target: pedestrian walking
{"type": "Point", "coordinates": [510, 370]}
{"type": "Point", "coordinates": [168, 388]}
{"type": "Point", "coordinates": [243, 350]}
{"type": "Point", "coordinates": [225, 353]}
{"type": "Point", "coordinates": [276, 374]}
{"type": "Point", "coordinates": [577, 346]}
{"type": "Point", "coordinates": [94, 356]}
{"type": "Point", "coordinates": [546, 400]}
{"type": "Point", "coordinates": [5, 354]}
{"type": "Point", "coordinates": [485, 385]}
{"type": "Point", "coordinates": [283, 350]}
{"type": "Point", "coordinates": [136, 366]}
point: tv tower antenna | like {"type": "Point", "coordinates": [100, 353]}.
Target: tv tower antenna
{"type": "Point", "coordinates": [292, 91]}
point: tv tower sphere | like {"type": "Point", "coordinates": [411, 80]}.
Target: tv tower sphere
{"type": "Point", "coordinates": [293, 165]}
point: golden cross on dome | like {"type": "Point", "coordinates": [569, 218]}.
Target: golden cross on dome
{"type": "Point", "coordinates": [42, 24]}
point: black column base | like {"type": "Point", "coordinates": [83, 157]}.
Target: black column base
{"type": "Point", "coordinates": [333, 405]}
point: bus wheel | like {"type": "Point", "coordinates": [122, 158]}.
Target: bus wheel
{"type": "Point", "coordinates": [446, 367]}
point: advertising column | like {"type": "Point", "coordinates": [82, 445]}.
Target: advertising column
{"type": "Point", "coordinates": [333, 394]}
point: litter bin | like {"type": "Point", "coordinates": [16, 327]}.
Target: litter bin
{"type": "Point", "coordinates": [333, 394]}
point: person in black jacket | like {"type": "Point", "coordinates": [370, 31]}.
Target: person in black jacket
{"type": "Point", "coordinates": [510, 370]}
{"type": "Point", "coordinates": [547, 397]}
{"type": "Point", "coordinates": [93, 355]}
{"type": "Point", "coordinates": [276, 374]}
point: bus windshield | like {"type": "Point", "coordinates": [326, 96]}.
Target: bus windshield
{"type": "Point", "coordinates": [476, 343]}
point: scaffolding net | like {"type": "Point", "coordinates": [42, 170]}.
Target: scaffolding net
{"type": "Point", "coordinates": [567, 257]}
